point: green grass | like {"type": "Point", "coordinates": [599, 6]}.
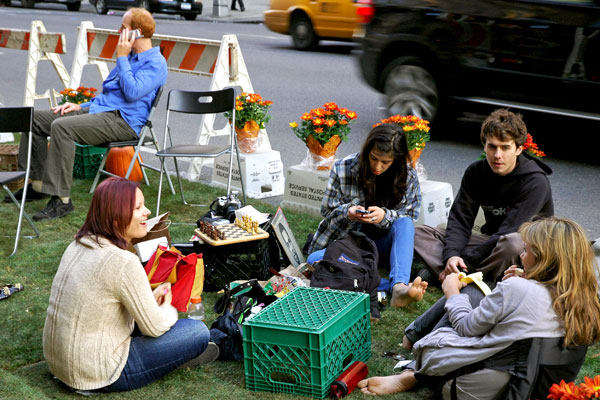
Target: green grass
{"type": "Point", "coordinates": [23, 371]}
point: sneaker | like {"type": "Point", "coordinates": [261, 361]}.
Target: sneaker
{"type": "Point", "coordinates": [31, 195]}
{"type": "Point", "coordinates": [54, 209]}
{"type": "Point", "coordinates": [428, 276]}
{"type": "Point", "coordinates": [210, 354]}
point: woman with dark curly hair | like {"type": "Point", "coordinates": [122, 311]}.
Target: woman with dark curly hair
{"type": "Point", "coordinates": [377, 192]}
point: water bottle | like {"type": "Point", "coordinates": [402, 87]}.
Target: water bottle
{"type": "Point", "coordinates": [196, 309]}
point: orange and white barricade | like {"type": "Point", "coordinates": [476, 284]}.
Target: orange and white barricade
{"type": "Point", "coordinates": [220, 59]}
{"type": "Point", "coordinates": [42, 46]}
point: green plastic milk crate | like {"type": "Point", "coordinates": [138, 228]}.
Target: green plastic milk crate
{"type": "Point", "coordinates": [302, 342]}
{"type": "Point", "coordinates": [87, 160]}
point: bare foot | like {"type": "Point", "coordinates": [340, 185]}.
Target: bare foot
{"type": "Point", "coordinates": [388, 384]}
{"type": "Point", "coordinates": [403, 295]}
{"type": "Point", "coordinates": [406, 343]}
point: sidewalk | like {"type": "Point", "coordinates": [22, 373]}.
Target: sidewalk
{"type": "Point", "coordinates": [252, 15]}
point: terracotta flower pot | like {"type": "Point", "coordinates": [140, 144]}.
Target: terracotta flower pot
{"type": "Point", "coordinates": [247, 137]}
{"type": "Point", "coordinates": [323, 155]}
{"type": "Point", "coordinates": [414, 154]}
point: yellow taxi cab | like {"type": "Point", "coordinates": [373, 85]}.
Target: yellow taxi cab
{"type": "Point", "coordinates": [309, 21]}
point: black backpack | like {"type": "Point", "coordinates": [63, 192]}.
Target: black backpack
{"type": "Point", "coordinates": [350, 263]}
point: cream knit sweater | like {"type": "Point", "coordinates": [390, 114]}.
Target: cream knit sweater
{"type": "Point", "coordinates": [97, 294]}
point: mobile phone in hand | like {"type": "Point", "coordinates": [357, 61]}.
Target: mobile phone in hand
{"type": "Point", "coordinates": [135, 34]}
{"type": "Point", "coordinates": [363, 212]}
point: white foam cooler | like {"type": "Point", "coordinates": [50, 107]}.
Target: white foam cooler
{"type": "Point", "coordinates": [436, 200]}
{"type": "Point", "coordinates": [262, 171]}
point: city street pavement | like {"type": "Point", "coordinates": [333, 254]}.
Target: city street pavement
{"type": "Point", "coordinates": [252, 15]}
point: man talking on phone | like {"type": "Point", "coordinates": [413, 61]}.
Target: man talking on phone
{"type": "Point", "coordinates": [118, 114]}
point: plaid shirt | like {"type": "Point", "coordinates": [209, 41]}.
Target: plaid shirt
{"type": "Point", "coordinates": [343, 192]}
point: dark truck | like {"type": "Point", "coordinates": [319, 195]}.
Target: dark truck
{"type": "Point", "coordinates": [537, 55]}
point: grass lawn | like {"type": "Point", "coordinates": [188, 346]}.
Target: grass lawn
{"type": "Point", "coordinates": [23, 371]}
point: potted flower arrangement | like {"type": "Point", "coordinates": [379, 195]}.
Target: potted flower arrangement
{"type": "Point", "coordinates": [78, 96]}
{"type": "Point", "coordinates": [251, 115]}
{"type": "Point", "coordinates": [589, 389]}
{"type": "Point", "coordinates": [322, 130]}
{"type": "Point", "coordinates": [417, 134]}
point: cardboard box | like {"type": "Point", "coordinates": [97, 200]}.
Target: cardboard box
{"type": "Point", "coordinates": [436, 200]}
{"type": "Point", "coordinates": [262, 172]}
{"type": "Point", "coordinates": [304, 189]}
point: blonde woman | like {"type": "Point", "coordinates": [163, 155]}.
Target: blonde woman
{"type": "Point", "coordinates": [556, 297]}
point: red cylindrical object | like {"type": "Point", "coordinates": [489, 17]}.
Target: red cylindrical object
{"type": "Point", "coordinates": [347, 381]}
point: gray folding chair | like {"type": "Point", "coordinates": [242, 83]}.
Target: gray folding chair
{"type": "Point", "coordinates": [147, 137]}
{"type": "Point", "coordinates": [18, 119]}
{"type": "Point", "coordinates": [212, 102]}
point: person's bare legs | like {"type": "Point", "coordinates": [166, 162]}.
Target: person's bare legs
{"type": "Point", "coordinates": [403, 294]}
{"type": "Point", "coordinates": [388, 384]}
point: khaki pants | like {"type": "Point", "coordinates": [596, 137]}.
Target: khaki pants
{"type": "Point", "coordinates": [53, 164]}
{"type": "Point", "coordinates": [429, 245]}
{"type": "Point", "coordinates": [486, 384]}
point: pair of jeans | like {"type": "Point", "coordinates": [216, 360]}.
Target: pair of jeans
{"type": "Point", "coordinates": [397, 244]}
{"type": "Point", "coordinates": [151, 358]}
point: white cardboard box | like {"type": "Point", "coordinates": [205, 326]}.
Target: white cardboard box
{"type": "Point", "coordinates": [304, 189]}
{"type": "Point", "coordinates": [436, 200]}
{"type": "Point", "coordinates": [262, 171]}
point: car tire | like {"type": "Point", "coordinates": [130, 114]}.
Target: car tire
{"type": "Point", "coordinates": [144, 4]}
{"type": "Point", "coordinates": [101, 7]}
{"type": "Point", "coordinates": [27, 3]}
{"type": "Point", "coordinates": [410, 88]}
{"type": "Point", "coordinates": [303, 34]}
{"type": "Point", "coordinates": [189, 17]}
{"type": "Point", "coordinates": [75, 6]}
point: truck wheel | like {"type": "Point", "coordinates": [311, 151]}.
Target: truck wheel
{"type": "Point", "coordinates": [303, 34]}
{"type": "Point", "coordinates": [189, 17]}
{"type": "Point", "coordinates": [410, 88]}
{"type": "Point", "coordinates": [75, 6]}
{"type": "Point", "coordinates": [101, 7]}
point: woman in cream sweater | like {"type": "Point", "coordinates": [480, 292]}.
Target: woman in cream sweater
{"type": "Point", "coordinates": [101, 290]}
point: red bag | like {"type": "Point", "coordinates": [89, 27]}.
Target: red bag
{"type": "Point", "coordinates": [185, 273]}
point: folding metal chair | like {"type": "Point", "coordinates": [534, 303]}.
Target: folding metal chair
{"type": "Point", "coordinates": [18, 119]}
{"type": "Point", "coordinates": [210, 102]}
{"type": "Point", "coordinates": [147, 137]}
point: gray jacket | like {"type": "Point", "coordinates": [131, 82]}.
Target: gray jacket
{"type": "Point", "coordinates": [516, 309]}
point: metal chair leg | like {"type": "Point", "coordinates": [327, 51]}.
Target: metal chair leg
{"type": "Point", "coordinates": [22, 213]}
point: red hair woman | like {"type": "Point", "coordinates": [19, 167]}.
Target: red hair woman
{"type": "Point", "coordinates": [100, 292]}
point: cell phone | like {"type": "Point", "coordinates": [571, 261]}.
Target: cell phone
{"type": "Point", "coordinates": [363, 212]}
{"type": "Point", "coordinates": [135, 34]}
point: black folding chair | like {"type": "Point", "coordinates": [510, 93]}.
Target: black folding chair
{"type": "Point", "coordinates": [18, 119]}
{"type": "Point", "coordinates": [147, 137]}
{"type": "Point", "coordinates": [211, 102]}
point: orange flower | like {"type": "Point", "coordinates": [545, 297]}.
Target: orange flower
{"type": "Point", "coordinates": [294, 124]}
{"type": "Point", "coordinates": [330, 106]}
{"type": "Point", "coordinates": [319, 130]}
{"type": "Point", "coordinates": [351, 114]}
{"type": "Point", "coordinates": [318, 121]}
{"type": "Point", "coordinates": [306, 117]}
{"type": "Point", "coordinates": [343, 122]}
{"type": "Point", "coordinates": [319, 112]}
{"type": "Point", "coordinates": [591, 386]}
{"type": "Point", "coordinates": [330, 123]}
{"type": "Point", "coordinates": [73, 94]}
{"type": "Point", "coordinates": [566, 391]}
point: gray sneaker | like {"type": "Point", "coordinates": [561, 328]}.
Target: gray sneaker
{"type": "Point", "coordinates": [54, 209]}
{"type": "Point", "coordinates": [210, 354]}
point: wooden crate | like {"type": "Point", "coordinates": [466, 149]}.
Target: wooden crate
{"type": "Point", "coordinates": [9, 154]}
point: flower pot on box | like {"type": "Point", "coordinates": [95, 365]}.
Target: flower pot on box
{"type": "Point", "coordinates": [247, 137]}
{"type": "Point", "coordinates": [323, 155]}
{"type": "Point", "coordinates": [415, 154]}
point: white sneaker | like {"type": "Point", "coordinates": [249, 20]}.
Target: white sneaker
{"type": "Point", "coordinates": [210, 354]}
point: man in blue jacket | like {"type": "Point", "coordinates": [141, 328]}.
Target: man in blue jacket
{"type": "Point", "coordinates": [510, 186]}
{"type": "Point", "coordinates": [118, 114]}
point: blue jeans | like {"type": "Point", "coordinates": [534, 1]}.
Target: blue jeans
{"type": "Point", "coordinates": [397, 244]}
{"type": "Point", "coordinates": [151, 358]}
